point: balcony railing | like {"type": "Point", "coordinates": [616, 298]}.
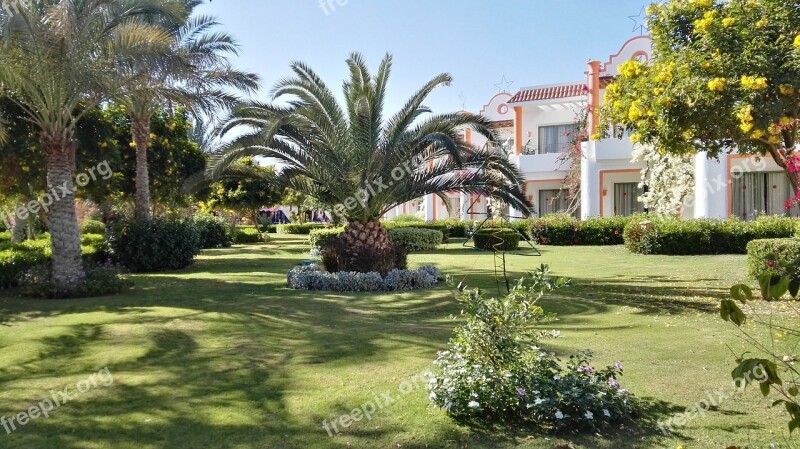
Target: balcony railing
{"type": "Point", "coordinates": [547, 148]}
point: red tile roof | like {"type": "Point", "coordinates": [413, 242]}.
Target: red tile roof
{"type": "Point", "coordinates": [549, 93]}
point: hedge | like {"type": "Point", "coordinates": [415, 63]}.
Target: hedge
{"type": "Point", "coordinates": [248, 235]}
{"type": "Point", "coordinates": [93, 227]}
{"type": "Point", "coordinates": [566, 230]}
{"type": "Point", "coordinates": [19, 258]}
{"type": "Point", "coordinates": [776, 257]}
{"type": "Point", "coordinates": [416, 239]}
{"type": "Point", "coordinates": [496, 239]}
{"type": "Point", "coordinates": [321, 238]}
{"type": "Point", "coordinates": [299, 228]}
{"type": "Point", "coordinates": [156, 245]}
{"type": "Point", "coordinates": [455, 227]}
{"type": "Point", "coordinates": [673, 236]}
{"type": "Point", "coordinates": [444, 229]}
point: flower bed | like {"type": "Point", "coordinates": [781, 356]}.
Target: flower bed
{"type": "Point", "coordinates": [313, 277]}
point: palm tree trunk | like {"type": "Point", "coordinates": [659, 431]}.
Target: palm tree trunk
{"type": "Point", "coordinates": [20, 231]}
{"type": "Point", "coordinates": [140, 129]}
{"type": "Point", "coordinates": [64, 230]}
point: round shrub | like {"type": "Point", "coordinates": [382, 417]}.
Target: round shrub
{"type": "Point", "coordinates": [774, 257]}
{"type": "Point", "coordinates": [156, 245]}
{"type": "Point", "coordinates": [214, 231]}
{"type": "Point", "coordinates": [416, 239]}
{"type": "Point", "coordinates": [93, 227]}
{"type": "Point", "coordinates": [323, 238]}
{"type": "Point", "coordinates": [497, 239]}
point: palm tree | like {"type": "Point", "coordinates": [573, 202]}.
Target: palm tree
{"type": "Point", "coordinates": [58, 60]}
{"type": "Point", "coordinates": [361, 165]}
{"type": "Point", "coordinates": [195, 73]}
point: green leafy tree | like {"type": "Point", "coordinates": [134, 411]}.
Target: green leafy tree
{"type": "Point", "coordinates": [195, 72]}
{"type": "Point", "coordinates": [724, 76]}
{"type": "Point", "coordinates": [360, 164]}
{"type": "Point", "coordinates": [59, 55]}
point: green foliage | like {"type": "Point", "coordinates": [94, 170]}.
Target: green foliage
{"type": "Point", "coordinates": [416, 239]}
{"type": "Point", "coordinates": [773, 259]}
{"type": "Point", "coordinates": [322, 238]}
{"type": "Point", "coordinates": [455, 227]}
{"type": "Point", "coordinates": [407, 218]}
{"type": "Point", "coordinates": [103, 280]}
{"type": "Point", "coordinates": [496, 239]}
{"type": "Point", "coordinates": [214, 231]}
{"type": "Point", "coordinates": [246, 188]}
{"type": "Point", "coordinates": [299, 228]}
{"type": "Point", "coordinates": [566, 230]}
{"type": "Point", "coordinates": [15, 260]}
{"type": "Point", "coordinates": [93, 227]}
{"type": "Point", "coordinates": [443, 228]}
{"type": "Point", "coordinates": [248, 235]}
{"type": "Point", "coordinates": [674, 236]}
{"type": "Point", "coordinates": [495, 373]}
{"type": "Point", "coordinates": [156, 245]}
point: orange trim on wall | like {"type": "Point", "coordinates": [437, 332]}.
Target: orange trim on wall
{"type": "Point", "coordinates": [594, 95]}
{"type": "Point", "coordinates": [518, 130]}
{"type": "Point", "coordinates": [602, 182]}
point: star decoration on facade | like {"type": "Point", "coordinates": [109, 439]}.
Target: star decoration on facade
{"type": "Point", "coordinates": [639, 22]}
{"type": "Point", "coordinates": [504, 85]}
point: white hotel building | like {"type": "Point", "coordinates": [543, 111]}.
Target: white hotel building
{"type": "Point", "coordinates": [531, 124]}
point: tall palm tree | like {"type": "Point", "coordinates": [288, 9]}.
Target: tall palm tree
{"type": "Point", "coordinates": [195, 72]}
{"type": "Point", "coordinates": [361, 165]}
{"type": "Point", "coordinates": [57, 61]}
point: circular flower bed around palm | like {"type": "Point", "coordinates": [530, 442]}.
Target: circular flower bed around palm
{"type": "Point", "coordinates": [314, 277]}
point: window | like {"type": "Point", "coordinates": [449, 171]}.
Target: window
{"type": "Point", "coordinates": [553, 202]}
{"type": "Point", "coordinates": [555, 139]}
{"type": "Point", "coordinates": [626, 199]}
{"type": "Point", "coordinates": [761, 193]}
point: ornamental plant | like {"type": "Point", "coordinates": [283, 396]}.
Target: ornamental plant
{"type": "Point", "coordinates": [494, 371]}
{"type": "Point", "coordinates": [724, 76]}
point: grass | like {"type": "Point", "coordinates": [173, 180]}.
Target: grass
{"type": "Point", "coordinates": [222, 355]}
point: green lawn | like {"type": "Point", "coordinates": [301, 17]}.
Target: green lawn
{"type": "Point", "coordinates": [224, 356]}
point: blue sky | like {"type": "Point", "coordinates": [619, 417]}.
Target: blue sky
{"type": "Point", "coordinates": [477, 41]}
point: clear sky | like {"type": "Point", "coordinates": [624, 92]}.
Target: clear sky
{"type": "Point", "coordinates": [477, 41]}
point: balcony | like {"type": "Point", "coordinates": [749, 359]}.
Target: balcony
{"type": "Point", "coordinates": [545, 148]}
{"type": "Point", "coordinates": [614, 149]}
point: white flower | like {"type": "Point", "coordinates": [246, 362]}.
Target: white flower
{"type": "Point", "coordinates": [448, 405]}
{"type": "Point", "coordinates": [432, 395]}
{"type": "Point", "coordinates": [473, 404]}
{"type": "Point", "coordinates": [589, 415]}
{"type": "Point", "coordinates": [559, 415]}
{"type": "Point", "coordinates": [607, 413]}
{"type": "Point", "coordinates": [556, 377]}
{"type": "Point", "coordinates": [474, 395]}
{"type": "Point", "coordinates": [538, 401]}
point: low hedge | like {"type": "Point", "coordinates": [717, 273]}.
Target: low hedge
{"type": "Point", "coordinates": [93, 227]}
{"type": "Point", "coordinates": [496, 239]}
{"type": "Point", "coordinates": [432, 226]}
{"type": "Point", "coordinates": [18, 259]}
{"type": "Point", "coordinates": [299, 228]}
{"type": "Point", "coordinates": [416, 239]}
{"type": "Point", "coordinates": [248, 236]}
{"type": "Point", "coordinates": [322, 238]}
{"type": "Point", "coordinates": [776, 257]}
{"type": "Point", "coordinates": [455, 227]}
{"type": "Point", "coordinates": [566, 230]}
{"type": "Point", "coordinates": [673, 236]}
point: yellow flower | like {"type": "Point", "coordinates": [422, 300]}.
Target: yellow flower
{"type": "Point", "coordinates": [757, 134]}
{"type": "Point", "coordinates": [658, 91]}
{"type": "Point", "coordinates": [786, 121]}
{"type": "Point", "coordinates": [652, 9]}
{"type": "Point", "coordinates": [775, 140]}
{"type": "Point", "coordinates": [746, 126]}
{"type": "Point", "coordinates": [763, 22]}
{"type": "Point", "coordinates": [132, 144]}
{"type": "Point", "coordinates": [797, 41]}
{"type": "Point", "coordinates": [702, 25]}
{"type": "Point", "coordinates": [786, 89]}
{"type": "Point", "coordinates": [704, 3]}
{"type": "Point", "coordinates": [728, 21]}
{"type": "Point", "coordinates": [636, 138]}
{"type": "Point", "coordinates": [630, 69]}
{"type": "Point", "coordinates": [754, 83]}
{"type": "Point", "coordinates": [152, 135]}
{"type": "Point", "coordinates": [717, 84]}
{"type": "Point", "coordinates": [26, 169]}
{"type": "Point", "coordinates": [104, 145]}
{"type": "Point", "coordinates": [635, 112]}
{"type": "Point", "coordinates": [596, 136]}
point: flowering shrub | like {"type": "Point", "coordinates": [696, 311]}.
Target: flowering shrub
{"type": "Point", "coordinates": [493, 373]}
{"type": "Point", "coordinates": [775, 258]}
{"type": "Point", "coordinates": [313, 277]}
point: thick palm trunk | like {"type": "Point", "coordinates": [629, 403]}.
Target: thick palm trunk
{"type": "Point", "coordinates": [19, 233]}
{"type": "Point", "coordinates": [64, 230]}
{"type": "Point", "coordinates": [140, 129]}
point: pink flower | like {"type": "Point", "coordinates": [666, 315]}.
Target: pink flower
{"type": "Point", "coordinates": [618, 365]}
{"type": "Point", "coordinates": [772, 264]}
{"type": "Point", "coordinates": [613, 383]}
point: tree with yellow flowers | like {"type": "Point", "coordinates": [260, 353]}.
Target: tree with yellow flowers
{"type": "Point", "coordinates": [724, 76]}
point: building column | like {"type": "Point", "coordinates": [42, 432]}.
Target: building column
{"type": "Point", "coordinates": [590, 182]}
{"type": "Point", "coordinates": [464, 210]}
{"type": "Point", "coordinates": [430, 203]}
{"type": "Point", "coordinates": [594, 95]}
{"type": "Point", "coordinates": [712, 187]}
{"type": "Point", "coordinates": [518, 130]}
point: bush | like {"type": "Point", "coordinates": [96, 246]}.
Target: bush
{"type": "Point", "coordinates": [93, 227]}
{"type": "Point", "coordinates": [17, 260]}
{"type": "Point", "coordinates": [673, 236]}
{"type": "Point", "coordinates": [270, 229]}
{"type": "Point", "coordinates": [432, 226]}
{"type": "Point", "coordinates": [313, 277]}
{"type": "Point", "coordinates": [157, 245]}
{"type": "Point", "coordinates": [566, 230]}
{"type": "Point", "coordinates": [416, 239]}
{"type": "Point", "coordinates": [496, 239]}
{"type": "Point", "coordinates": [299, 228]}
{"type": "Point", "coordinates": [322, 238]}
{"type": "Point", "coordinates": [103, 280]}
{"type": "Point", "coordinates": [455, 227]}
{"type": "Point", "coordinates": [494, 372]}
{"type": "Point", "coordinates": [214, 231]}
{"type": "Point", "coordinates": [407, 218]}
{"type": "Point", "coordinates": [248, 235]}
{"type": "Point", "coordinates": [774, 257]}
